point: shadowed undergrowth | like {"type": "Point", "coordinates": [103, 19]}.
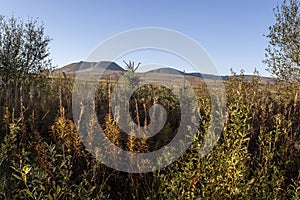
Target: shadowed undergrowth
{"type": "Point", "coordinates": [257, 156]}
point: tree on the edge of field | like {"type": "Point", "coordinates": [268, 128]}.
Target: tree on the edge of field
{"type": "Point", "coordinates": [283, 52]}
{"type": "Point", "coordinates": [24, 50]}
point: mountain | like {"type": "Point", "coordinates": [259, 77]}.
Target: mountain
{"type": "Point", "coordinates": [112, 68]}
{"type": "Point", "coordinates": [207, 76]}
{"type": "Point", "coordinates": [195, 75]}
{"type": "Point", "coordinates": [166, 70]}
{"type": "Point", "coordinates": [84, 66]}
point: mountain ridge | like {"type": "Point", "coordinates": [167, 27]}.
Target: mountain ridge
{"type": "Point", "coordinates": [112, 68]}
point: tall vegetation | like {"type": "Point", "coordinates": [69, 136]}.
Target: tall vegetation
{"type": "Point", "coordinates": [24, 50]}
{"type": "Point", "coordinates": [257, 155]}
{"type": "Point", "coordinates": [283, 51]}
{"type": "Point", "coordinates": [24, 66]}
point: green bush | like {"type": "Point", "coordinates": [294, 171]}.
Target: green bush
{"type": "Point", "coordinates": [256, 157]}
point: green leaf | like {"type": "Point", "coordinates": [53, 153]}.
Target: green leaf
{"type": "Point", "coordinates": [28, 192]}
{"type": "Point", "coordinates": [251, 181]}
{"type": "Point", "coordinates": [42, 187]}
{"type": "Point", "coordinates": [26, 169]}
{"type": "Point", "coordinates": [17, 177]}
{"type": "Point", "coordinates": [58, 189]}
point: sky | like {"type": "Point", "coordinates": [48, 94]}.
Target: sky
{"type": "Point", "coordinates": [231, 31]}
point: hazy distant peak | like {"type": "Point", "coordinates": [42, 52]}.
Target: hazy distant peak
{"type": "Point", "coordinates": [166, 70]}
{"type": "Point", "coordinates": [84, 65]}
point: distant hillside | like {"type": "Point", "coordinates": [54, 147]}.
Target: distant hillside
{"type": "Point", "coordinates": [112, 68]}
{"type": "Point", "coordinates": [207, 76]}
{"type": "Point", "coordinates": [166, 70]}
{"type": "Point", "coordinates": [172, 71]}
{"type": "Point", "coordinates": [90, 66]}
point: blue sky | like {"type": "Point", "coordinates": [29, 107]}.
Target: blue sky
{"type": "Point", "coordinates": [231, 31]}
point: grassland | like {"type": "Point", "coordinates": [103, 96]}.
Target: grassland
{"type": "Point", "coordinates": [256, 157]}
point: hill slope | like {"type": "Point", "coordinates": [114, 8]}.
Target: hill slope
{"type": "Point", "coordinates": [112, 68]}
{"type": "Point", "coordinates": [84, 66]}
